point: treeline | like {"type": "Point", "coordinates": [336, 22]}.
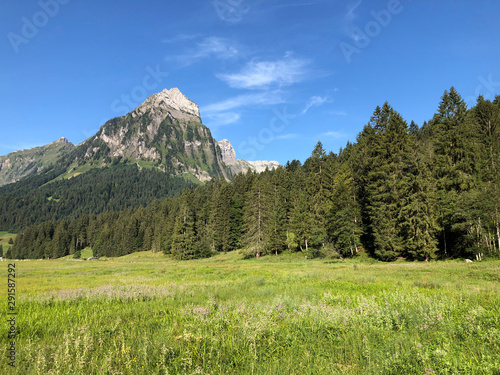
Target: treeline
{"type": "Point", "coordinates": [399, 191]}
{"type": "Point", "coordinates": [39, 198]}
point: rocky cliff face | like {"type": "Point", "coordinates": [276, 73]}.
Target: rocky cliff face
{"type": "Point", "coordinates": [166, 130]}
{"type": "Point", "coordinates": [240, 165]}
{"type": "Point", "coordinates": [19, 164]}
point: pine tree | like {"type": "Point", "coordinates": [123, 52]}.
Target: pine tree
{"type": "Point", "coordinates": [278, 215]}
{"type": "Point", "coordinates": [220, 217]}
{"type": "Point", "coordinates": [452, 164]}
{"type": "Point", "coordinates": [345, 215]}
{"type": "Point", "coordinates": [61, 241]}
{"type": "Point", "coordinates": [302, 221]}
{"type": "Point", "coordinates": [257, 214]}
{"type": "Point", "coordinates": [184, 236]}
{"type": "Point", "coordinates": [318, 181]}
{"type": "Point", "coordinates": [386, 176]}
{"type": "Point", "coordinates": [417, 217]}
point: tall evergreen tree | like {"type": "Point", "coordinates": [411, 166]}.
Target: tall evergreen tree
{"type": "Point", "coordinates": [387, 174]}
{"type": "Point", "coordinates": [257, 214]}
{"type": "Point", "coordinates": [417, 217]}
{"type": "Point", "coordinates": [452, 164]}
{"type": "Point", "coordinates": [184, 236]}
{"type": "Point", "coordinates": [318, 180]}
{"type": "Point", "coordinates": [345, 215]}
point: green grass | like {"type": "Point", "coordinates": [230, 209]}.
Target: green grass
{"type": "Point", "coordinates": [147, 314]}
{"type": "Point", "coordinates": [4, 240]}
{"type": "Point", "coordinates": [75, 171]}
{"type": "Point", "coordinates": [146, 164]}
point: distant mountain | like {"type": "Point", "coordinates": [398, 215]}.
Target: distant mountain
{"type": "Point", "coordinates": [19, 164]}
{"type": "Point", "coordinates": [240, 165]}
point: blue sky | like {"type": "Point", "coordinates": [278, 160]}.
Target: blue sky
{"type": "Point", "coordinates": [273, 77]}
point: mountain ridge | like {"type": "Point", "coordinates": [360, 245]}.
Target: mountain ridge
{"type": "Point", "coordinates": [165, 132]}
{"type": "Point", "coordinates": [22, 163]}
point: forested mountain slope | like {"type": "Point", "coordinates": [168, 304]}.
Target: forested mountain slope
{"type": "Point", "coordinates": [153, 152]}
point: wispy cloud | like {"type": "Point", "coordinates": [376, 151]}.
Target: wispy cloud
{"type": "Point", "coordinates": [316, 101]}
{"type": "Point", "coordinates": [262, 98]}
{"type": "Point", "coordinates": [262, 75]}
{"type": "Point", "coordinates": [210, 47]}
{"type": "Point", "coordinates": [227, 111]}
{"type": "Point", "coordinates": [288, 136]}
{"type": "Point", "coordinates": [334, 134]}
{"type": "Point", "coordinates": [221, 119]}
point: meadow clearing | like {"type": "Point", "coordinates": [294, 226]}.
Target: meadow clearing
{"type": "Point", "coordinates": [147, 314]}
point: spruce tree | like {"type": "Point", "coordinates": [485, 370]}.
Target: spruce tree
{"type": "Point", "coordinates": [278, 215]}
{"type": "Point", "coordinates": [183, 236]}
{"type": "Point", "coordinates": [452, 164]}
{"type": "Point", "coordinates": [417, 217]}
{"type": "Point", "coordinates": [257, 214]}
{"type": "Point", "coordinates": [386, 167]}
{"type": "Point", "coordinates": [345, 215]}
{"type": "Point", "coordinates": [318, 181]}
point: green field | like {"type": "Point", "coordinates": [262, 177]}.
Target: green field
{"type": "Point", "coordinates": [4, 240]}
{"type": "Point", "coordinates": [147, 314]}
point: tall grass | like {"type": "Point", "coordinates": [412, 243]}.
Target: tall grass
{"type": "Point", "coordinates": [149, 315]}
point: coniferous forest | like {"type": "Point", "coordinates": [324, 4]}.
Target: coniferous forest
{"type": "Point", "coordinates": [421, 193]}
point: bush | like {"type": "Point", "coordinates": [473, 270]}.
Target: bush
{"type": "Point", "coordinates": [329, 252]}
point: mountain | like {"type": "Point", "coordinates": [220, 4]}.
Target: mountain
{"type": "Point", "coordinates": [165, 132]}
{"type": "Point", "coordinates": [240, 165]}
{"type": "Point", "coordinates": [19, 164]}
{"type": "Point", "coordinates": [156, 151]}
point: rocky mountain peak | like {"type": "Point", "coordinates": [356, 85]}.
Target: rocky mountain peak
{"type": "Point", "coordinates": [239, 165]}
{"type": "Point", "coordinates": [171, 99]}
{"type": "Point", "coordinates": [62, 140]}
{"type": "Point", "coordinates": [227, 152]}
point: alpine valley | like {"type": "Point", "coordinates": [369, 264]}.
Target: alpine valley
{"type": "Point", "coordinates": [155, 151]}
{"type": "Point", "coordinates": [402, 191]}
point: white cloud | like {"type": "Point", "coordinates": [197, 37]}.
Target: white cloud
{"type": "Point", "coordinates": [218, 47]}
{"type": "Point", "coordinates": [263, 98]}
{"type": "Point", "coordinates": [211, 47]}
{"type": "Point", "coordinates": [264, 74]}
{"type": "Point", "coordinates": [226, 111]}
{"type": "Point", "coordinates": [316, 101]}
{"type": "Point", "coordinates": [221, 119]}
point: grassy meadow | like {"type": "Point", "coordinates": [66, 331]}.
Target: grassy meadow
{"type": "Point", "coordinates": [4, 240]}
{"type": "Point", "coordinates": [147, 314]}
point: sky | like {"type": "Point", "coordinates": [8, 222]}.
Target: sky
{"type": "Point", "coordinates": [274, 77]}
